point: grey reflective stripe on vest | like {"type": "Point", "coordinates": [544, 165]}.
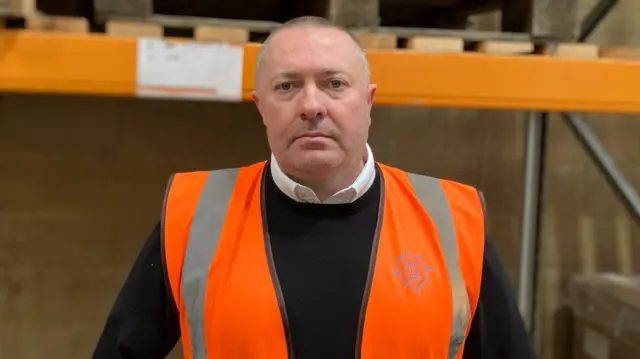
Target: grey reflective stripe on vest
{"type": "Point", "coordinates": [434, 200]}
{"type": "Point", "coordinates": [204, 237]}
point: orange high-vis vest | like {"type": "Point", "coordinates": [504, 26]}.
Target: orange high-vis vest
{"type": "Point", "coordinates": [422, 288]}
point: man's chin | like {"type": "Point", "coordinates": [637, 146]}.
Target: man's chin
{"type": "Point", "coordinates": [318, 164]}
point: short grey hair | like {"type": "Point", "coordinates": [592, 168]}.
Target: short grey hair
{"type": "Point", "coordinates": [310, 21]}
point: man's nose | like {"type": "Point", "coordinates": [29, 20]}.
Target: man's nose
{"type": "Point", "coordinates": [312, 106]}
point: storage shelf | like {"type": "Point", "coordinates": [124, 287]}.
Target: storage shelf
{"type": "Point", "coordinates": [105, 65]}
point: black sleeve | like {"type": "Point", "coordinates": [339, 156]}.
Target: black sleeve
{"type": "Point", "coordinates": [143, 322]}
{"type": "Point", "coordinates": [497, 329]}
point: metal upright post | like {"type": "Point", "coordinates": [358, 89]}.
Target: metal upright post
{"type": "Point", "coordinates": [533, 175]}
{"type": "Point", "coordinates": [533, 191]}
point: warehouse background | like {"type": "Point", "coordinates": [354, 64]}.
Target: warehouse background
{"type": "Point", "coordinates": [82, 180]}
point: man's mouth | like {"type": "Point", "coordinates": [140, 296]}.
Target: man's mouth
{"type": "Point", "coordinates": [314, 134]}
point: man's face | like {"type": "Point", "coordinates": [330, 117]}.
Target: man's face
{"type": "Point", "coordinates": [314, 100]}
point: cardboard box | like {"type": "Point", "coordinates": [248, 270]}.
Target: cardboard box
{"type": "Point", "coordinates": [606, 310]}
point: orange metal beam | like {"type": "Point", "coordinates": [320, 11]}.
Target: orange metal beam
{"type": "Point", "coordinates": [61, 63]}
{"type": "Point", "coordinates": [97, 64]}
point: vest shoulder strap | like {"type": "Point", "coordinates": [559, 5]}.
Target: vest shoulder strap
{"type": "Point", "coordinates": [440, 199]}
{"type": "Point", "coordinates": [190, 197]}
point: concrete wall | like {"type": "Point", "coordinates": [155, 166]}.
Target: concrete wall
{"type": "Point", "coordinates": [82, 180]}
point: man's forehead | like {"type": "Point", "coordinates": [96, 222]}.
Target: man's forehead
{"type": "Point", "coordinates": [309, 46]}
{"type": "Point", "coordinates": [310, 50]}
{"type": "Point", "coordinates": [309, 39]}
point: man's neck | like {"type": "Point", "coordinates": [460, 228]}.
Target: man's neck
{"type": "Point", "coordinates": [356, 175]}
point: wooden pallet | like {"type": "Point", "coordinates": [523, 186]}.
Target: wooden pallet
{"type": "Point", "coordinates": [60, 24]}
{"type": "Point", "coordinates": [258, 28]}
{"type": "Point", "coordinates": [343, 12]}
{"type": "Point", "coordinates": [201, 29]}
{"type": "Point", "coordinates": [400, 39]}
{"type": "Point", "coordinates": [456, 42]}
{"type": "Point", "coordinates": [205, 29]}
{"type": "Point", "coordinates": [18, 7]}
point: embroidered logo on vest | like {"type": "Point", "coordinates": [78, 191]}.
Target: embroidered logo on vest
{"type": "Point", "coordinates": [412, 271]}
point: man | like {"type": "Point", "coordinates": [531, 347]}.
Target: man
{"type": "Point", "coordinates": [320, 252]}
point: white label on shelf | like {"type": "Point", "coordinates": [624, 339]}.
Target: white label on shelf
{"type": "Point", "coordinates": [188, 69]}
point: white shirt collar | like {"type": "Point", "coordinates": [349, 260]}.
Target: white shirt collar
{"type": "Point", "coordinates": [302, 193]}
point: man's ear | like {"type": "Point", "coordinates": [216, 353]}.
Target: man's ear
{"type": "Point", "coordinates": [256, 100]}
{"type": "Point", "coordinates": [371, 94]}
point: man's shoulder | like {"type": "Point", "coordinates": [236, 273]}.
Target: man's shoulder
{"type": "Point", "coordinates": [425, 178]}
{"type": "Point", "coordinates": [198, 173]}
{"type": "Point", "coordinates": [185, 186]}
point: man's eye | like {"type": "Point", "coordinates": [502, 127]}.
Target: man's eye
{"type": "Point", "coordinates": [285, 86]}
{"type": "Point", "coordinates": [336, 84]}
